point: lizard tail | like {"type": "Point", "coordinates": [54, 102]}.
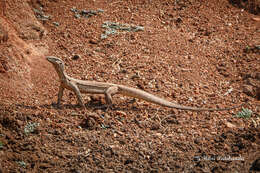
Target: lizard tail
{"type": "Point", "coordinates": [140, 94]}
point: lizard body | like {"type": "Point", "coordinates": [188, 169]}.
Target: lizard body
{"type": "Point", "coordinates": [109, 89]}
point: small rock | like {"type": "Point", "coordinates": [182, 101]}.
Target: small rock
{"type": "Point", "coordinates": [178, 130]}
{"type": "Point", "coordinates": [84, 12]}
{"type": "Point", "coordinates": [48, 120]}
{"type": "Point", "coordinates": [89, 123]}
{"type": "Point", "coordinates": [99, 112]}
{"type": "Point", "coordinates": [230, 125]}
{"type": "Point", "coordinates": [256, 19]}
{"type": "Point", "coordinates": [74, 114]}
{"type": "Point", "coordinates": [75, 57]}
{"type": "Point", "coordinates": [3, 34]}
{"type": "Point", "coordinates": [252, 82]}
{"type": "Point", "coordinates": [74, 170]}
{"type": "Point", "coordinates": [159, 135]}
{"type": "Point", "coordinates": [172, 120]}
{"type": "Point", "coordinates": [93, 41]}
{"type": "Point", "coordinates": [100, 10]}
{"type": "Point", "coordinates": [257, 75]}
{"type": "Point", "coordinates": [155, 126]}
{"type": "Point", "coordinates": [74, 10]}
{"type": "Point", "coordinates": [229, 91]}
{"type": "Point", "coordinates": [197, 141]}
{"type": "Point", "coordinates": [227, 147]}
{"type": "Point", "coordinates": [248, 89]}
{"type": "Point", "coordinates": [135, 76]}
{"type": "Point", "coordinates": [56, 23]}
{"type": "Point", "coordinates": [178, 20]}
{"type": "Point", "coordinates": [97, 99]}
{"type": "Point", "coordinates": [256, 165]}
{"type": "Point", "coordinates": [19, 122]}
{"type": "Point", "coordinates": [77, 16]}
{"type": "Point", "coordinates": [258, 93]}
{"type": "Point", "coordinates": [121, 113]}
{"type": "Point", "coordinates": [123, 71]}
{"type": "Point", "coordinates": [128, 161]}
{"type": "Point", "coordinates": [140, 86]}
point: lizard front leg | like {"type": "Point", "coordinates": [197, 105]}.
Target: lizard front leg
{"type": "Point", "coordinates": [75, 89]}
{"type": "Point", "coordinates": [60, 94]}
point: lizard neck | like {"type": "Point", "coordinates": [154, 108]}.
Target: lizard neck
{"type": "Point", "coordinates": [61, 73]}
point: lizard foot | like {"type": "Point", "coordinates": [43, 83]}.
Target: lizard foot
{"type": "Point", "coordinates": [55, 105]}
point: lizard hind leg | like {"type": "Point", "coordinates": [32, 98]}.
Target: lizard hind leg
{"type": "Point", "coordinates": [76, 90]}
{"type": "Point", "coordinates": [109, 93]}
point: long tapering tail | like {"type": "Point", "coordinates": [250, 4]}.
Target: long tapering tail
{"type": "Point", "coordinates": [137, 93]}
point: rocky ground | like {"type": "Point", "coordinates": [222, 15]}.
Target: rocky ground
{"type": "Point", "coordinates": [196, 53]}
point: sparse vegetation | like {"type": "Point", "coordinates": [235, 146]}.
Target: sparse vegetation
{"type": "Point", "coordinates": [1, 145]}
{"type": "Point", "coordinates": [30, 127]}
{"type": "Point", "coordinates": [21, 164]}
{"type": "Point", "coordinates": [113, 28]}
{"type": "Point", "coordinates": [245, 113]}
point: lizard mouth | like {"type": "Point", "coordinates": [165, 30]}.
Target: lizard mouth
{"type": "Point", "coordinates": [49, 58]}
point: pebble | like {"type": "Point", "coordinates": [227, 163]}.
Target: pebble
{"type": "Point", "coordinates": [121, 113]}
{"type": "Point", "coordinates": [48, 120]}
{"type": "Point", "coordinates": [230, 125]}
{"type": "Point", "coordinates": [56, 23]}
{"type": "Point", "coordinates": [248, 89]}
{"type": "Point", "coordinates": [256, 19]}
{"type": "Point", "coordinates": [76, 57]}
{"type": "Point", "coordinates": [77, 16]}
{"type": "Point", "coordinates": [155, 126]}
{"type": "Point", "coordinates": [256, 165]}
{"type": "Point", "coordinates": [93, 41]}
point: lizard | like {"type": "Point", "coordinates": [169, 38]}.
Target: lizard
{"type": "Point", "coordinates": [110, 89]}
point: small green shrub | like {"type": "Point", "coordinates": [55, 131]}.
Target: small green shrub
{"type": "Point", "coordinates": [245, 113]}
{"type": "Point", "coordinates": [1, 145]}
{"type": "Point", "coordinates": [21, 164]}
{"type": "Point", "coordinates": [30, 127]}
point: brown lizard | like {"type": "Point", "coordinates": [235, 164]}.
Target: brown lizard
{"type": "Point", "coordinates": [109, 89]}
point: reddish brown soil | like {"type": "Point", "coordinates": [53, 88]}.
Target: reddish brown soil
{"type": "Point", "coordinates": [197, 53]}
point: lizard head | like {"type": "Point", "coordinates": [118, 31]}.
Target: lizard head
{"type": "Point", "coordinates": [56, 62]}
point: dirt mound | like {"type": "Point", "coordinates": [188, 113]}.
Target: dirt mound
{"type": "Point", "coordinates": [22, 50]}
{"type": "Point", "coordinates": [252, 6]}
{"type": "Point", "coordinates": [203, 54]}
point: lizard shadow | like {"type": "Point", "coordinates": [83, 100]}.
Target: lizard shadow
{"type": "Point", "coordinates": [88, 105]}
{"type": "Point", "coordinates": [48, 106]}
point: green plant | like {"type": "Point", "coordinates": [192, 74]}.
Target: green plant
{"type": "Point", "coordinates": [30, 127]}
{"type": "Point", "coordinates": [21, 163]}
{"type": "Point", "coordinates": [245, 113]}
{"type": "Point", "coordinates": [1, 145]}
